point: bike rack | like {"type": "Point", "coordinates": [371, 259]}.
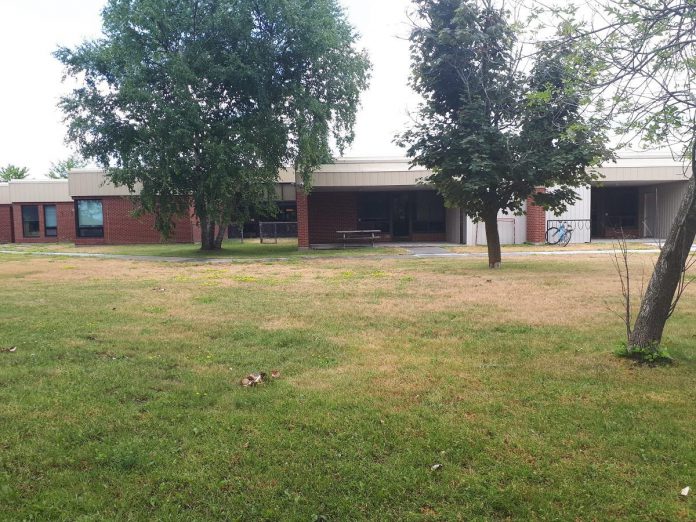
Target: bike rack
{"type": "Point", "coordinates": [575, 224]}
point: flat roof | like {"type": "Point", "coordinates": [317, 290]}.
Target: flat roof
{"type": "Point", "coordinates": [347, 173]}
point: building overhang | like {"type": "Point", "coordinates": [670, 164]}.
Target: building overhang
{"type": "Point", "coordinates": [5, 194]}
{"type": "Point", "coordinates": [38, 191]}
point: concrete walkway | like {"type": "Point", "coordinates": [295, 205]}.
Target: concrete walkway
{"type": "Point", "coordinates": [420, 252]}
{"type": "Point", "coordinates": [426, 250]}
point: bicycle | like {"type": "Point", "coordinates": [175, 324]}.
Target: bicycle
{"type": "Point", "coordinates": [559, 235]}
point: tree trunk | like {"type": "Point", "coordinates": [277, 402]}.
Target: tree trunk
{"type": "Point", "coordinates": [493, 240]}
{"type": "Point", "coordinates": [657, 302]}
{"type": "Point", "coordinates": [220, 236]}
{"type": "Point", "coordinates": [208, 235]}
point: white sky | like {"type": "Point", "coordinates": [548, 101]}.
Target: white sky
{"type": "Point", "coordinates": [31, 129]}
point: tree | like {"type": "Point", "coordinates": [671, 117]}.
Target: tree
{"type": "Point", "coordinates": [13, 172]}
{"type": "Point", "coordinates": [490, 132]}
{"type": "Point", "coordinates": [61, 169]}
{"type": "Point", "coordinates": [650, 52]}
{"type": "Point", "coordinates": [203, 101]}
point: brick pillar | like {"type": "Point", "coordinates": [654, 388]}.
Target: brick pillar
{"type": "Point", "coordinates": [302, 219]}
{"type": "Point", "coordinates": [536, 221]}
{"type": "Point", "coordinates": [6, 224]}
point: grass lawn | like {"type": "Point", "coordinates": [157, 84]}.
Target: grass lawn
{"type": "Point", "coordinates": [250, 248]}
{"type": "Point", "coordinates": [122, 400]}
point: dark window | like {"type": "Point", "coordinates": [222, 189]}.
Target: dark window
{"type": "Point", "coordinates": [373, 211]}
{"type": "Point", "coordinates": [90, 219]}
{"type": "Point", "coordinates": [30, 220]}
{"type": "Point", "coordinates": [429, 212]}
{"type": "Point", "coordinates": [287, 211]}
{"type": "Point", "coordinates": [50, 221]}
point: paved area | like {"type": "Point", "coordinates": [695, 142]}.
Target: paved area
{"type": "Point", "coordinates": [432, 252]}
{"type": "Point", "coordinates": [428, 250]}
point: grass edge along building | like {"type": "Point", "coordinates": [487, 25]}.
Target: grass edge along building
{"type": "Point", "coordinates": [639, 194]}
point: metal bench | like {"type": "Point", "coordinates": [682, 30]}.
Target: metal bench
{"type": "Point", "coordinates": [358, 235]}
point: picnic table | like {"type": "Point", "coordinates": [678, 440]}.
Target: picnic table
{"type": "Point", "coordinates": [358, 235]}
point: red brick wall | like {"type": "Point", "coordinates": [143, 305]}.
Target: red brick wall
{"type": "Point", "coordinates": [195, 227]}
{"type": "Point", "coordinates": [329, 212]}
{"type": "Point", "coordinates": [6, 225]}
{"type": "Point", "coordinates": [120, 227]}
{"type": "Point", "coordinates": [536, 221]}
{"type": "Point", "coordinates": [302, 219]}
{"type": "Point", "coordinates": [65, 213]}
{"type": "Point", "coordinates": [429, 236]}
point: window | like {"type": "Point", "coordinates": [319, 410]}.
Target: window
{"type": "Point", "coordinates": [429, 213]}
{"type": "Point", "coordinates": [50, 221]}
{"type": "Point", "coordinates": [30, 220]}
{"type": "Point", "coordinates": [373, 211]}
{"type": "Point", "coordinates": [90, 219]}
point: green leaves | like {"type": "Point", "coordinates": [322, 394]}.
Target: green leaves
{"type": "Point", "coordinates": [61, 169]}
{"type": "Point", "coordinates": [490, 133]}
{"type": "Point", "coordinates": [11, 172]}
{"type": "Point", "coordinates": [203, 102]}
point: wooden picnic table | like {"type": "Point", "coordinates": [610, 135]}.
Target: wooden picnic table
{"type": "Point", "coordinates": [359, 235]}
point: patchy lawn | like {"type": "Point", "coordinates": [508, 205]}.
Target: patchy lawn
{"type": "Point", "coordinates": [122, 400]}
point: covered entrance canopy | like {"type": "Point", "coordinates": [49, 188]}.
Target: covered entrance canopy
{"type": "Point", "coordinates": [635, 210]}
{"type": "Point", "coordinates": [398, 215]}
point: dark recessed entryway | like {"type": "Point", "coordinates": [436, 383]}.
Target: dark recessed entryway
{"type": "Point", "coordinates": [403, 216]}
{"type": "Point", "coordinates": [614, 209]}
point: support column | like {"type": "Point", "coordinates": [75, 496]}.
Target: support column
{"type": "Point", "coordinates": [302, 219]}
{"type": "Point", "coordinates": [536, 220]}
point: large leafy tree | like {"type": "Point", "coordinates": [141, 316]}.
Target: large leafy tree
{"type": "Point", "coordinates": [10, 172]}
{"type": "Point", "coordinates": [203, 101]}
{"type": "Point", "coordinates": [493, 128]}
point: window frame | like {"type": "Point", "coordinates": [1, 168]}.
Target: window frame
{"type": "Point", "coordinates": [88, 231]}
{"type": "Point", "coordinates": [54, 229]}
{"type": "Point", "coordinates": [37, 233]}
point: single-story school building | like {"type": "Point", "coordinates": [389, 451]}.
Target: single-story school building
{"type": "Point", "coordinates": [639, 194]}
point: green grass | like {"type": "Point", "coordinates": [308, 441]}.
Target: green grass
{"type": "Point", "coordinates": [122, 400]}
{"type": "Point", "coordinates": [251, 248]}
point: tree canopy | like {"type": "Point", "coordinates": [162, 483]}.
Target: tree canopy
{"type": "Point", "coordinates": [62, 168]}
{"type": "Point", "coordinates": [492, 128]}
{"type": "Point", "coordinates": [11, 172]}
{"type": "Point", "coordinates": [203, 101]}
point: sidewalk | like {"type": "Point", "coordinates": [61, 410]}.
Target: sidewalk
{"type": "Point", "coordinates": [419, 252]}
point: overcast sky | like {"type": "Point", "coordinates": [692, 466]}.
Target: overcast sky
{"type": "Point", "coordinates": [31, 129]}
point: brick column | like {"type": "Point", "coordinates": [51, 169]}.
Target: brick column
{"type": "Point", "coordinates": [536, 221]}
{"type": "Point", "coordinates": [302, 219]}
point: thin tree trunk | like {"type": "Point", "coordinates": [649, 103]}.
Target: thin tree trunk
{"type": "Point", "coordinates": [203, 223]}
{"type": "Point", "coordinates": [493, 240]}
{"type": "Point", "coordinates": [219, 237]}
{"type": "Point", "coordinates": [657, 303]}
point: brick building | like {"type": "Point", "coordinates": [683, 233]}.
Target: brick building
{"type": "Point", "coordinates": [639, 194]}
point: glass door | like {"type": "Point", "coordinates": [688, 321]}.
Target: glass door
{"type": "Point", "coordinates": [401, 216]}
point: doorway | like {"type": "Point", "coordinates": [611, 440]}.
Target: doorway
{"type": "Point", "coordinates": [615, 210]}
{"type": "Point", "coordinates": [401, 216]}
{"type": "Point", "coordinates": [416, 215]}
